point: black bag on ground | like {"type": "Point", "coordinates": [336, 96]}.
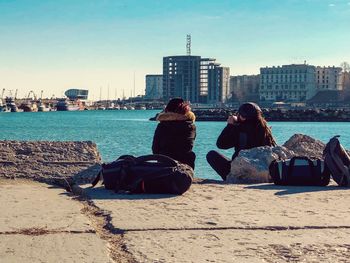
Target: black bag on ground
{"type": "Point", "coordinates": [301, 171]}
{"type": "Point", "coordinates": [337, 161]}
{"type": "Point", "coordinates": [156, 174]}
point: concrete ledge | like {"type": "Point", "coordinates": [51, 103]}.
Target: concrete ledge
{"type": "Point", "coordinates": [62, 163]}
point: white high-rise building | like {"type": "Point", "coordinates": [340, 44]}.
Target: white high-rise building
{"type": "Point", "coordinates": [218, 83]}
{"type": "Point", "coordinates": [328, 78]}
{"type": "Point", "coordinates": [154, 87]}
{"type": "Point", "coordinates": [296, 82]}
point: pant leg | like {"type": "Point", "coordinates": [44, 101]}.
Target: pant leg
{"type": "Point", "coordinates": [220, 163]}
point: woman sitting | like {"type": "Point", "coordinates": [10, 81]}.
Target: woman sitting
{"type": "Point", "coordinates": [247, 130]}
{"type": "Point", "coordinates": [176, 132]}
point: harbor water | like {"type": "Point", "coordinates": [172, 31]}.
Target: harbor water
{"type": "Point", "coordinates": [130, 132]}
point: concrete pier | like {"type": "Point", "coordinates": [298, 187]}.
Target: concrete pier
{"type": "Point", "coordinates": [212, 222]}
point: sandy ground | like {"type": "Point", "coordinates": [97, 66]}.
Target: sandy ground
{"type": "Point", "coordinates": [39, 223]}
{"type": "Point", "coordinates": [233, 223]}
{"type": "Point", "coordinates": [212, 222]}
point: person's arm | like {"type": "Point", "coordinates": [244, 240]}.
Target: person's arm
{"type": "Point", "coordinates": [228, 137]}
{"type": "Point", "coordinates": [155, 143]}
{"type": "Point", "coordinates": [190, 138]}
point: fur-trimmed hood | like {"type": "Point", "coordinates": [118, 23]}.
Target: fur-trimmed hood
{"type": "Point", "coordinates": [172, 116]}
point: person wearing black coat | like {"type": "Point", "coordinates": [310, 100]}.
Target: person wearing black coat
{"type": "Point", "coordinates": [247, 130]}
{"type": "Point", "coordinates": [176, 132]}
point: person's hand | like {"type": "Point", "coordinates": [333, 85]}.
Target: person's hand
{"type": "Point", "coordinates": [231, 119]}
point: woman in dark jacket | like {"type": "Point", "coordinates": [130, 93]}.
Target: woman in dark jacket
{"type": "Point", "coordinates": [247, 130]}
{"type": "Point", "coordinates": [176, 132]}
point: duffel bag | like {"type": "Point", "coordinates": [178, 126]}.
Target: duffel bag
{"type": "Point", "coordinates": [156, 174]}
{"type": "Point", "coordinates": [299, 170]}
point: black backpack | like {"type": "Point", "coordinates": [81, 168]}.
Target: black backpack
{"type": "Point", "coordinates": [337, 161]}
{"type": "Point", "coordinates": [156, 174]}
{"type": "Point", "coordinates": [301, 171]}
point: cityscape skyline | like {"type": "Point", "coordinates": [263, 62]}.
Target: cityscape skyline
{"type": "Point", "coordinates": [54, 46]}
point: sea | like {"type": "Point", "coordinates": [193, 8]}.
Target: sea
{"type": "Point", "coordinates": [130, 132]}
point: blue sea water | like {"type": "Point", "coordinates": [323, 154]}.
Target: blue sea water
{"type": "Point", "coordinates": [130, 132]}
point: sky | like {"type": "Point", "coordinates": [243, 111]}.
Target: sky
{"type": "Point", "coordinates": [100, 45]}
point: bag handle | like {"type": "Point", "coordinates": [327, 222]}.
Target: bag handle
{"type": "Point", "coordinates": [159, 158]}
{"type": "Point", "coordinates": [304, 158]}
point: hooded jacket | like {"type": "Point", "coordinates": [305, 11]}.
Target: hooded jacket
{"type": "Point", "coordinates": [174, 137]}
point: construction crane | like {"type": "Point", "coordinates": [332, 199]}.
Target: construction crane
{"type": "Point", "coordinates": [33, 94]}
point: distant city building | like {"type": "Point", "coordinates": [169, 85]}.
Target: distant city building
{"type": "Point", "coordinates": [74, 94]}
{"type": "Point", "coordinates": [154, 87]}
{"type": "Point", "coordinates": [181, 77]}
{"type": "Point", "coordinates": [345, 81]}
{"type": "Point", "coordinates": [203, 75]}
{"type": "Point", "coordinates": [287, 83]}
{"type": "Point", "coordinates": [218, 83]}
{"type": "Point", "coordinates": [187, 77]}
{"type": "Point", "coordinates": [328, 78]}
{"type": "Point", "coordinates": [245, 88]}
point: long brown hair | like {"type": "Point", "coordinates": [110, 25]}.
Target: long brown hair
{"type": "Point", "coordinates": [261, 123]}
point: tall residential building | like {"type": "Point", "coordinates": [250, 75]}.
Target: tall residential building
{"type": "Point", "coordinates": [204, 81]}
{"type": "Point", "coordinates": [188, 77]}
{"type": "Point", "coordinates": [245, 88]}
{"type": "Point", "coordinates": [289, 82]}
{"type": "Point", "coordinates": [154, 87]}
{"type": "Point", "coordinates": [218, 83]}
{"type": "Point", "coordinates": [328, 78]}
{"type": "Point", "coordinates": [181, 77]}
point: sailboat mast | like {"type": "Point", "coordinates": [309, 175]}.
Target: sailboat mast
{"type": "Point", "coordinates": [134, 86]}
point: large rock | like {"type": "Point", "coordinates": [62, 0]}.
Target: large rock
{"type": "Point", "coordinates": [304, 145]}
{"type": "Point", "coordinates": [63, 163]}
{"type": "Point", "coordinates": [252, 166]}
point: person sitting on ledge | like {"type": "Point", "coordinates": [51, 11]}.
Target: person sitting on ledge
{"type": "Point", "coordinates": [247, 130]}
{"type": "Point", "coordinates": [176, 132]}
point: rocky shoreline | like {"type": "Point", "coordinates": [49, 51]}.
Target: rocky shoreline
{"type": "Point", "coordinates": [295, 115]}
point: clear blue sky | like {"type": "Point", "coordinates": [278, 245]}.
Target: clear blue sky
{"type": "Point", "coordinates": [56, 45]}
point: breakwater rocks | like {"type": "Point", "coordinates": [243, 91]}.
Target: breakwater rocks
{"type": "Point", "coordinates": [312, 115]}
{"type": "Point", "coordinates": [60, 163]}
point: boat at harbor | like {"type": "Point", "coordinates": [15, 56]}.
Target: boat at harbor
{"type": "Point", "coordinates": [69, 105]}
{"type": "Point", "coordinates": [3, 108]}
{"type": "Point", "coordinates": [28, 106]}
{"type": "Point", "coordinates": [129, 107]}
{"type": "Point", "coordinates": [42, 107]}
{"type": "Point", "coordinates": [11, 105]}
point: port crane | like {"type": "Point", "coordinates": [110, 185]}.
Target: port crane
{"type": "Point", "coordinates": [33, 95]}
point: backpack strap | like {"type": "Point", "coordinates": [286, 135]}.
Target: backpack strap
{"type": "Point", "coordinates": [97, 179]}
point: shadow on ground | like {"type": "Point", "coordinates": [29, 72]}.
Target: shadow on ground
{"type": "Point", "coordinates": [100, 193]}
{"type": "Point", "coordinates": [288, 190]}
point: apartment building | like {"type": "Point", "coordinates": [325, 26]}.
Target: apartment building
{"type": "Point", "coordinates": [154, 87]}
{"type": "Point", "coordinates": [296, 82]}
